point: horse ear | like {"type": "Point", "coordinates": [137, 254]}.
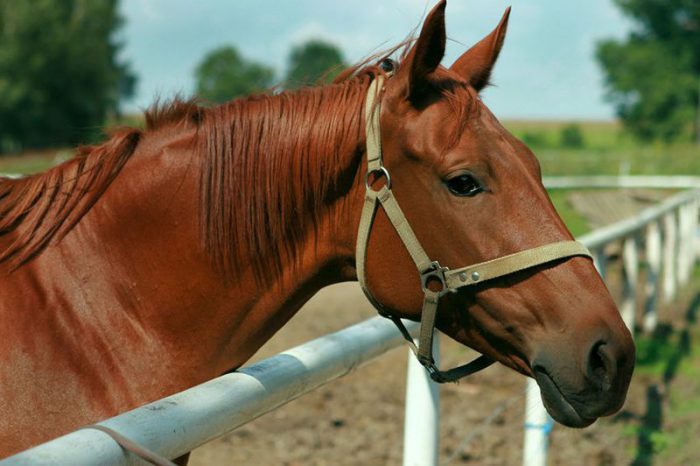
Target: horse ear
{"type": "Point", "coordinates": [426, 54]}
{"type": "Point", "coordinates": [475, 64]}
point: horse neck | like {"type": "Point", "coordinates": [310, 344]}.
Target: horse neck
{"type": "Point", "coordinates": [161, 276]}
{"type": "Point", "coordinates": [293, 205]}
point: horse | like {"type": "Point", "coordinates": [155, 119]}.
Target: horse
{"type": "Point", "coordinates": [167, 256]}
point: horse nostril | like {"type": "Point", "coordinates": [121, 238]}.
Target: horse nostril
{"type": "Point", "coordinates": [601, 366]}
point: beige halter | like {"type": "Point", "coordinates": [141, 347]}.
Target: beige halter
{"type": "Point", "coordinates": [431, 271]}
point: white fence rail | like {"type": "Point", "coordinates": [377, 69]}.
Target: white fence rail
{"type": "Point", "coordinates": [181, 422]}
{"type": "Point", "coordinates": [605, 181]}
{"type": "Point", "coordinates": [665, 234]}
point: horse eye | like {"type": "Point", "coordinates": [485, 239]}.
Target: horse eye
{"type": "Point", "coordinates": [464, 185]}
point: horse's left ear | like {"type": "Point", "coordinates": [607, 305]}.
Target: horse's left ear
{"type": "Point", "coordinates": [475, 64]}
{"type": "Point", "coordinates": [427, 53]}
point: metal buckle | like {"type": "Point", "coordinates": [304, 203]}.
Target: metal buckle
{"type": "Point", "coordinates": [380, 172]}
{"type": "Point", "coordinates": [435, 272]}
{"type": "Point", "coordinates": [435, 373]}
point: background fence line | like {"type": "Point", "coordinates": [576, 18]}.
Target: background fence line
{"type": "Point", "coordinates": [668, 232]}
{"type": "Point", "coordinates": [665, 235]}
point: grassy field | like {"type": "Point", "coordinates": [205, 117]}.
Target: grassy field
{"type": "Point", "coordinates": [605, 150]}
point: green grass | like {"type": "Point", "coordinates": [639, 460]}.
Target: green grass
{"type": "Point", "coordinates": [655, 353]}
{"type": "Point", "coordinates": [577, 223]}
{"type": "Point", "coordinates": [683, 406]}
{"type": "Point", "coordinates": [607, 150]}
{"type": "Point", "coordinates": [671, 160]}
{"type": "Point", "coordinates": [32, 162]}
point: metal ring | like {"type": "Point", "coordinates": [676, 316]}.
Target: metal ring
{"type": "Point", "coordinates": [438, 273]}
{"type": "Point", "coordinates": [382, 172]}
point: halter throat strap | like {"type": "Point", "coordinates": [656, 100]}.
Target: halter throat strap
{"type": "Point", "coordinates": [432, 274]}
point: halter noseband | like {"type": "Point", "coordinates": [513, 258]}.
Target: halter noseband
{"type": "Point", "coordinates": [431, 271]}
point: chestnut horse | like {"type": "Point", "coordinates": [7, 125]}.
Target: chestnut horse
{"type": "Point", "coordinates": [168, 256]}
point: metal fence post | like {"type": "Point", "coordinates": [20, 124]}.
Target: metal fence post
{"type": "Point", "coordinates": [630, 267]}
{"type": "Point", "coordinates": [421, 439]}
{"type": "Point", "coordinates": [670, 255]}
{"type": "Point", "coordinates": [538, 425]}
{"type": "Point", "coordinates": [682, 260]}
{"type": "Point", "coordinates": [653, 259]}
{"type": "Point", "coordinates": [686, 250]}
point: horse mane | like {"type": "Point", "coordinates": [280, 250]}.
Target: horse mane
{"type": "Point", "coordinates": [269, 163]}
{"type": "Point", "coordinates": [245, 146]}
{"type": "Point", "coordinates": [40, 207]}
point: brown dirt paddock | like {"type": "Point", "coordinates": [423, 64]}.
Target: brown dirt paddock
{"type": "Point", "coordinates": [358, 420]}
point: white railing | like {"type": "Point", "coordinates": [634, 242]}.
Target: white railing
{"type": "Point", "coordinates": [606, 181]}
{"type": "Point", "coordinates": [179, 423]}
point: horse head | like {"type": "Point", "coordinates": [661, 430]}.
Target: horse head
{"type": "Point", "coordinates": [472, 192]}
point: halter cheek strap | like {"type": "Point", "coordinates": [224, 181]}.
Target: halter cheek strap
{"type": "Point", "coordinates": [431, 272]}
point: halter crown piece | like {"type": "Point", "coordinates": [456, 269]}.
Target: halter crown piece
{"type": "Point", "coordinates": [431, 271]}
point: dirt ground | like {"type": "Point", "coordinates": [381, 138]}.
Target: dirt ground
{"type": "Point", "coordinates": [358, 420]}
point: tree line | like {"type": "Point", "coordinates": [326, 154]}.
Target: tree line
{"type": "Point", "coordinates": [61, 76]}
{"type": "Point", "coordinates": [224, 74]}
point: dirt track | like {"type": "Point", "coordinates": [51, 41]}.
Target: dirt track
{"type": "Point", "coordinates": [358, 420]}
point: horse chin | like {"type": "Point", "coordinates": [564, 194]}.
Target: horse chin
{"type": "Point", "coordinates": [557, 405]}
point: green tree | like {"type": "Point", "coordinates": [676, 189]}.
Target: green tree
{"type": "Point", "coordinates": [313, 62]}
{"type": "Point", "coordinates": [59, 73]}
{"type": "Point", "coordinates": [571, 136]}
{"type": "Point", "coordinates": [653, 76]}
{"type": "Point", "coordinates": [224, 74]}
{"type": "Point", "coordinates": [534, 139]}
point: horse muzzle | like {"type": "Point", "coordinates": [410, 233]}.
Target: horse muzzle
{"type": "Point", "coordinates": [577, 391]}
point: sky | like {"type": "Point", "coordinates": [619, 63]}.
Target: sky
{"type": "Point", "coordinates": [546, 70]}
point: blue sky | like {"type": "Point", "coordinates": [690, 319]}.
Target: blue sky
{"type": "Point", "coordinates": [547, 69]}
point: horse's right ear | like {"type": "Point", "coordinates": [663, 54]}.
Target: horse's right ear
{"type": "Point", "coordinates": [475, 64]}
{"type": "Point", "coordinates": [425, 56]}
